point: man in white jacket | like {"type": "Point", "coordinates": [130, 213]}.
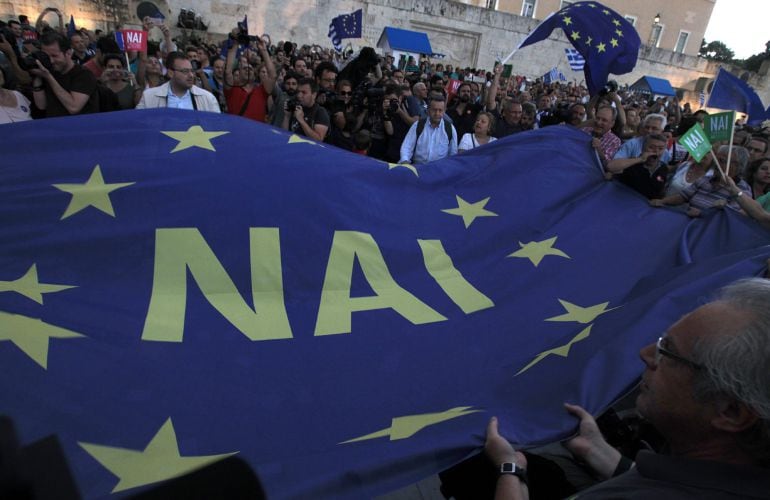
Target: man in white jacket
{"type": "Point", "coordinates": [179, 92]}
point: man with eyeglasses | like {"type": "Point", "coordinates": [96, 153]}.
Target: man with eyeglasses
{"type": "Point", "coordinates": [179, 91]}
{"type": "Point", "coordinates": [706, 390]}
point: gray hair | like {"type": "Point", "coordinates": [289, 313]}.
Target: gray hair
{"type": "Point", "coordinates": [736, 366]}
{"type": "Point", "coordinates": [655, 116]}
{"type": "Point", "coordinates": [739, 153]}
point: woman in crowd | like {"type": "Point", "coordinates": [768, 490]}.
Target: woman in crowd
{"type": "Point", "coordinates": [689, 172]}
{"type": "Point", "coordinates": [120, 82]}
{"type": "Point", "coordinates": [14, 107]}
{"type": "Point", "coordinates": [708, 192]}
{"type": "Point", "coordinates": [758, 177]}
{"type": "Point", "coordinates": [149, 73]}
{"type": "Point", "coordinates": [485, 124]}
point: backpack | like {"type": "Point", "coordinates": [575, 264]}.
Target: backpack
{"type": "Point", "coordinates": [421, 127]}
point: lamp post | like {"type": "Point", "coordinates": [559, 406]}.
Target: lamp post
{"type": "Point", "coordinates": [652, 42]}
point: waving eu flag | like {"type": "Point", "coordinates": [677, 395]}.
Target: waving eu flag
{"type": "Point", "coordinates": [345, 26]}
{"type": "Point", "coordinates": [730, 92]}
{"type": "Point", "coordinates": [197, 286]}
{"type": "Point", "coordinates": [608, 42]}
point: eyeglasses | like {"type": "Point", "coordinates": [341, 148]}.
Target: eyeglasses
{"type": "Point", "coordinates": [661, 351]}
{"type": "Point", "coordinates": [185, 71]}
{"type": "Point", "coordinates": [343, 93]}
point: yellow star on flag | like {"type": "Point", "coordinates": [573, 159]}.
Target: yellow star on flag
{"type": "Point", "coordinates": [592, 5]}
{"type": "Point", "coordinates": [589, 40]}
{"type": "Point", "coordinates": [567, 20]}
{"type": "Point", "coordinates": [562, 351]}
{"type": "Point", "coordinates": [579, 314]}
{"type": "Point", "coordinates": [601, 47]}
{"type": "Point", "coordinates": [193, 137]}
{"type": "Point", "coordinates": [619, 33]}
{"type": "Point", "coordinates": [575, 35]}
{"type": "Point", "coordinates": [535, 251]}
{"type": "Point", "coordinates": [606, 12]}
{"type": "Point", "coordinates": [31, 335]}
{"type": "Point", "coordinates": [29, 286]}
{"type": "Point", "coordinates": [470, 211]}
{"type": "Point", "coordinates": [616, 22]}
{"type": "Point", "coordinates": [613, 42]}
{"type": "Point", "coordinates": [159, 461]}
{"type": "Point", "coordinates": [298, 139]}
{"type": "Point", "coordinates": [407, 166]}
{"type": "Point", "coordinates": [409, 425]}
{"type": "Point", "coordinates": [94, 193]}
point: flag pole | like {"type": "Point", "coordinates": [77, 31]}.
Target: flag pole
{"type": "Point", "coordinates": [730, 144]}
{"type": "Point", "coordinates": [525, 38]}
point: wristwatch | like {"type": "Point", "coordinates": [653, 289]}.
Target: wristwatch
{"type": "Point", "coordinates": [736, 195]}
{"type": "Point", "coordinates": [514, 470]}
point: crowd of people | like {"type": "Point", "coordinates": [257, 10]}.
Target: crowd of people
{"type": "Point", "coordinates": [417, 112]}
{"type": "Point", "coordinates": [407, 111]}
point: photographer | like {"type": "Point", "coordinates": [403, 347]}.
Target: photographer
{"type": "Point", "coordinates": [248, 98]}
{"type": "Point", "coordinates": [59, 86]}
{"type": "Point", "coordinates": [282, 95]}
{"type": "Point", "coordinates": [398, 119]}
{"type": "Point", "coordinates": [105, 45]}
{"type": "Point", "coordinates": [325, 77]}
{"type": "Point", "coordinates": [307, 118]}
{"type": "Point", "coordinates": [120, 82]}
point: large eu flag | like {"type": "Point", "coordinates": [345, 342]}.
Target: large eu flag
{"type": "Point", "coordinates": [608, 42]}
{"type": "Point", "coordinates": [730, 92]}
{"type": "Point", "coordinates": [193, 285]}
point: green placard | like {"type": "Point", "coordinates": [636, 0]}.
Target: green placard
{"type": "Point", "coordinates": [718, 126]}
{"type": "Point", "coordinates": [507, 70]}
{"type": "Point", "coordinates": [696, 142]}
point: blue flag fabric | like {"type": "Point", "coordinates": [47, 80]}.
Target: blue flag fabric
{"type": "Point", "coordinates": [607, 42]}
{"type": "Point", "coordinates": [71, 29]}
{"type": "Point", "coordinates": [118, 35]}
{"type": "Point", "coordinates": [345, 26]}
{"type": "Point", "coordinates": [213, 286]}
{"type": "Point", "coordinates": [732, 93]}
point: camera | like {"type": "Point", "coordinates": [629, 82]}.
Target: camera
{"type": "Point", "coordinates": [610, 86]}
{"type": "Point", "coordinates": [291, 104]}
{"type": "Point", "coordinates": [195, 65]}
{"type": "Point", "coordinates": [393, 105]}
{"type": "Point", "coordinates": [29, 62]}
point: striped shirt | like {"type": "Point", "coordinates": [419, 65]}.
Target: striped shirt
{"type": "Point", "coordinates": [703, 193]}
{"type": "Point", "coordinates": [609, 143]}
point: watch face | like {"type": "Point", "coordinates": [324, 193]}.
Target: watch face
{"type": "Point", "coordinates": [507, 467]}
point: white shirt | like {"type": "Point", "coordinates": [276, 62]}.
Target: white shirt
{"type": "Point", "coordinates": [433, 144]}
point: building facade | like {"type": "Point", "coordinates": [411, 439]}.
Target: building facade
{"type": "Point", "coordinates": [677, 26]}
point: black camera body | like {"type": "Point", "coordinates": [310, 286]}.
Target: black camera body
{"type": "Point", "coordinates": [291, 104]}
{"type": "Point", "coordinates": [610, 86]}
{"type": "Point", "coordinates": [29, 62]}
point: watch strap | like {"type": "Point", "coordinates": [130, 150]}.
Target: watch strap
{"type": "Point", "coordinates": [510, 468]}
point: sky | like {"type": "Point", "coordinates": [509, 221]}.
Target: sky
{"type": "Point", "coordinates": [741, 25]}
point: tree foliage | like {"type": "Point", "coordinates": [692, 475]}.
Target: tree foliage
{"type": "Point", "coordinates": [716, 51]}
{"type": "Point", "coordinates": [754, 62]}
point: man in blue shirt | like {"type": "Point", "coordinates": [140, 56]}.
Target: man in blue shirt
{"type": "Point", "coordinates": [633, 148]}
{"type": "Point", "coordinates": [437, 139]}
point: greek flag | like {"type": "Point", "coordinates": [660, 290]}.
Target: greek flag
{"type": "Point", "coordinates": [701, 99]}
{"type": "Point", "coordinates": [345, 26]}
{"type": "Point", "coordinates": [553, 76]}
{"type": "Point", "coordinates": [576, 61]}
